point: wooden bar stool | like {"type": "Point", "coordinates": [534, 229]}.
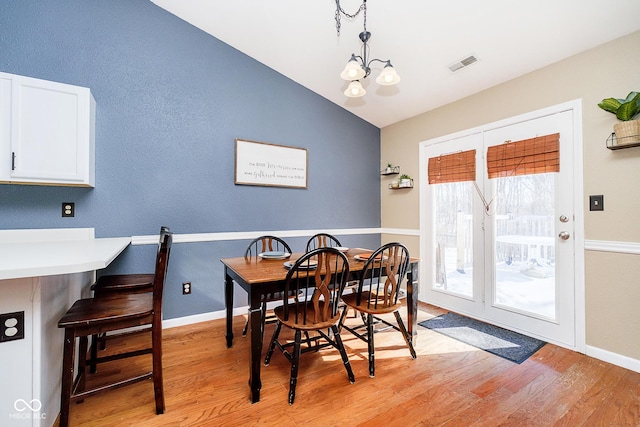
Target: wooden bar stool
{"type": "Point", "coordinates": [138, 282]}
{"type": "Point", "coordinates": [92, 316]}
{"type": "Point", "coordinates": [113, 284]}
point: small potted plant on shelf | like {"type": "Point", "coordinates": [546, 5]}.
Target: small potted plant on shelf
{"type": "Point", "coordinates": [390, 169]}
{"type": "Point", "coordinates": [405, 181]}
{"type": "Point", "coordinates": [626, 110]}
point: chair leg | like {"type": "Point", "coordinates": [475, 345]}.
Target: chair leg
{"type": "Point", "coordinates": [295, 362]}
{"type": "Point", "coordinates": [246, 328]}
{"type": "Point", "coordinates": [94, 353]}
{"type": "Point", "coordinates": [82, 366]}
{"type": "Point", "coordinates": [67, 376]}
{"type": "Point", "coordinates": [370, 345]}
{"type": "Point", "coordinates": [272, 345]}
{"type": "Point", "coordinates": [342, 317]}
{"type": "Point", "coordinates": [343, 353]}
{"type": "Point", "coordinates": [405, 334]}
{"type": "Point", "coordinates": [309, 343]}
{"type": "Point", "coordinates": [158, 386]}
{"type": "Point", "coordinates": [364, 318]}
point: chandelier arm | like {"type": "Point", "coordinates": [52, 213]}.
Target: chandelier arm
{"type": "Point", "coordinates": [358, 57]}
{"type": "Point", "coordinates": [388, 61]}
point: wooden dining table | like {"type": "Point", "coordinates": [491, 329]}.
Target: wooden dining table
{"type": "Point", "coordinates": [259, 277]}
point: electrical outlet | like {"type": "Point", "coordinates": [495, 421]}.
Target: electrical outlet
{"type": "Point", "coordinates": [68, 209]}
{"type": "Point", "coordinates": [186, 288]}
{"type": "Point", "coordinates": [12, 326]}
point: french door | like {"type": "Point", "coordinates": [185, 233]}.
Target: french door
{"type": "Point", "coordinates": [502, 249]}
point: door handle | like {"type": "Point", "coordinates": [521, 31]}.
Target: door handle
{"type": "Point", "coordinates": [564, 235]}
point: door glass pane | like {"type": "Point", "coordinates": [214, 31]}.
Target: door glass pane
{"type": "Point", "coordinates": [454, 242]}
{"type": "Point", "coordinates": [525, 244]}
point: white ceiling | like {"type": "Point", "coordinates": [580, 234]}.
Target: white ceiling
{"type": "Point", "coordinates": [422, 38]}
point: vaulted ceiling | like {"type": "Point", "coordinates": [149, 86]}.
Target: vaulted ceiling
{"type": "Point", "coordinates": [422, 38]}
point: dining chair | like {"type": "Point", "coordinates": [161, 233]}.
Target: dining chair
{"type": "Point", "coordinates": [258, 246]}
{"type": "Point", "coordinates": [112, 284]}
{"type": "Point", "coordinates": [116, 313]}
{"type": "Point", "coordinates": [322, 240]}
{"type": "Point", "coordinates": [316, 280]}
{"type": "Point", "coordinates": [377, 293]}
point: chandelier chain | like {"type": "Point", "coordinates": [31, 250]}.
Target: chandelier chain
{"type": "Point", "coordinates": [340, 11]}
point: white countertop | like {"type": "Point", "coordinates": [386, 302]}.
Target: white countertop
{"type": "Point", "coordinates": [46, 258]}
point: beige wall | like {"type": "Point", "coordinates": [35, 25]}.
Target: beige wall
{"type": "Point", "coordinates": [612, 279]}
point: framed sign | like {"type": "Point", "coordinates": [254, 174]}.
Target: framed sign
{"type": "Point", "coordinates": [259, 163]}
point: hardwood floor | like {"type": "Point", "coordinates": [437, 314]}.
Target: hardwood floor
{"type": "Point", "coordinates": [449, 384]}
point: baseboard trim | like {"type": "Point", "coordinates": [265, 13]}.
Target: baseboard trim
{"type": "Point", "coordinates": [598, 353]}
{"type": "Point", "coordinates": [614, 358]}
{"type": "Point", "coordinates": [203, 317]}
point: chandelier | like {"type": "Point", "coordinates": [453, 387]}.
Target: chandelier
{"type": "Point", "coordinates": [359, 66]}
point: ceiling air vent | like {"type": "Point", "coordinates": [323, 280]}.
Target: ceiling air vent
{"type": "Point", "coordinates": [463, 63]}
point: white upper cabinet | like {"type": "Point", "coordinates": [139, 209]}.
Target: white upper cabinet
{"type": "Point", "coordinates": [47, 132]}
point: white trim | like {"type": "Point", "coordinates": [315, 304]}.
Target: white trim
{"type": "Point", "coordinates": [608, 246]}
{"type": "Point", "coordinates": [401, 231]}
{"type": "Point", "coordinates": [614, 358]}
{"type": "Point", "coordinates": [580, 304]}
{"type": "Point", "coordinates": [202, 317]}
{"type": "Point", "coordinates": [244, 235]}
{"type": "Point", "coordinates": [590, 245]}
{"type": "Point", "coordinates": [598, 353]}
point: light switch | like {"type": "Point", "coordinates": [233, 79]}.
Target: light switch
{"type": "Point", "coordinates": [596, 203]}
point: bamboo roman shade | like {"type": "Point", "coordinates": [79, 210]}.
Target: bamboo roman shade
{"type": "Point", "coordinates": [456, 167]}
{"type": "Point", "coordinates": [529, 156]}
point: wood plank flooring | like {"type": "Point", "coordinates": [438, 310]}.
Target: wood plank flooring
{"type": "Point", "coordinates": [449, 384]}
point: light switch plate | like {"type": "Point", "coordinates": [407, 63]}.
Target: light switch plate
{"type": "Point", "coordinates": [596, 203]}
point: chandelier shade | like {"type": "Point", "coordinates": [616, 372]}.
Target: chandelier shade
{"type": "Point", "coordinates": [388, 76]}
{"type": "Point", "coordinates": [355, 90]}
{"type": "Point", "coordinates": [353, 70]}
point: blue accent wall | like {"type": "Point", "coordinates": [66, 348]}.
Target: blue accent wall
{"type": "Point", "coordinates": [170, 101]}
